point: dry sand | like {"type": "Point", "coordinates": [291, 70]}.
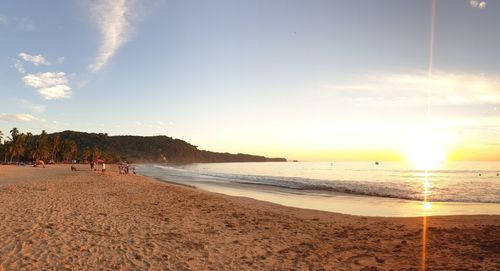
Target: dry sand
{"type": "Point", "coordinates": [56, 219]}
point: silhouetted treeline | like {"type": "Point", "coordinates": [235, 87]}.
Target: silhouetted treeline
{"type": "Point", "coordinates": [70, 145]}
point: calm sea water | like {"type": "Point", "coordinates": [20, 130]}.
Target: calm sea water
{"type": "Point", "coordinates": [460, 182]}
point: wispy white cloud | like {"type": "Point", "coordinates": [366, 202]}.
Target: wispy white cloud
{"type": "Point", "coordinates": [17, 23]}
{"type": "Point", "coordinates": [51, 85]}
{"type": "Point", "coordinates": [29, 121]}
{"type": "Point", "coordinates": [114, 20]}
{"type": "Point", "coordinates": [17, 117]}
{"type": "Point", "coordinates": [19, 66]}
{"type": "Point", "coordinates": [82, 83]}
{"type": "Point", "coordinates": [25, 104]}
{"type": "Point", "coordinates": [60, 60]}
{"type": "Point", "coordinates": [443, 87]}
{"type": "Point", "coordinates": [477, 4]}
{"type": "Point", "coordinates": [25, 23]}
{"type": "Point", "coordinates": [34, 59]}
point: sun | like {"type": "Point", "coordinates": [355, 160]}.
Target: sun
{"type": "Point", "coordinates": [426, 151]}
{"type": "Point", "coordinates": [426, 205]}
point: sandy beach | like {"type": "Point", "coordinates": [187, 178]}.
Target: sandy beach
{"type": "Point", "coordinates": [56, 219]}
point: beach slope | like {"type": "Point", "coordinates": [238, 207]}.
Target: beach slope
{"type": "Point", "coordinates": [53, 218]}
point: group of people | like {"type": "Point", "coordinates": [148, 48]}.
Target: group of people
{"type": "Point", "coordinates": [124, 168]}
{"type": "Point", "coordinates": [100, 166]}
{"type": "Point", "coordinates": [94, 166]}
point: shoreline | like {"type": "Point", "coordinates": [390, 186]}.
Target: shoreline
{"type": "Point", "coordinates": [243, 197]}
{"type": "Point", "coordinates": [337, 202]}
{"type": "Point", "coordinates": [55, 218]}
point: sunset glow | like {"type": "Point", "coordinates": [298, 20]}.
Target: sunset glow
{"type": "Point", "coordinates": [426, 151]}
{"type": "Point", "coordinates": [308, 88]}
{"type": "Point", "coordinates": [249, 135]}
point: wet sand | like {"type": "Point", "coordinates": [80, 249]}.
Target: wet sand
{"type": "Point", "coordinates": [53, 218]}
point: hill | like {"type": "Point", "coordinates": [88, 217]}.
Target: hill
{"type": "Point", "coordinates": [152, 149]}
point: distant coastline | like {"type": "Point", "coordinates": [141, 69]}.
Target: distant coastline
{"type": "Point", "coordinates": [81, 147]}
{"type": "Point", "coordinates": [154, 149]}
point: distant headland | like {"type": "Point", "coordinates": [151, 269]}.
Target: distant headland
{"type": "Point", "coordinates": [81, 146]}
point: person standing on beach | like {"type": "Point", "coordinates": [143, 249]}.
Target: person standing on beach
{"type": "Point", "coordinates": [103, 167]}
{"type": "Point", "coordinates": [91, 166]}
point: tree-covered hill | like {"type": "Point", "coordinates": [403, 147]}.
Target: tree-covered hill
{"type": "Point", "coordinates": [72, 145]}
{"type": "Point", "coordinates": [154, 149]}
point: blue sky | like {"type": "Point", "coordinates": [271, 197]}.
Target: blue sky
{"type": "Point", "coordinates": [314, 80]}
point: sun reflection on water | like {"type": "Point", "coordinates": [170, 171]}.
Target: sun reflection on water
{"type": "Point", "coordinates": [425, 206]}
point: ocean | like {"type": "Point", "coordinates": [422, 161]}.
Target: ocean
{"type": "Point", "coordinates": [357, 188]}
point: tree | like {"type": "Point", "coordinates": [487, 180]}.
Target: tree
{"type": "Point", "coordinates": [14, 133]}
{"type": "Point", "coordinates": [2, 145]}
{"type": "Point", "coordinates": [5, 147]}
{"type": "Point", "coordinates": [55, 147]}
{"type": "Point", "coordinates": [96, 153]}
{"type": "Point", "coordinates": [17, 144]}
{"type": "Point", "coordinates": [40, 150]}
{"type": "Point", "coordinates": [29, 144]}
{"type": "Point", "coordinates": [86, 154]}
{"type": "Point", "coordinates": [70, 150]}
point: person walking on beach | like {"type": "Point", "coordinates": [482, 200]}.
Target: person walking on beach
{"type": "Point", "coordinates": [91, 165]}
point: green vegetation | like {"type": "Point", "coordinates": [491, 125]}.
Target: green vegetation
{"type": "Point", "coordinates": [70, 145]}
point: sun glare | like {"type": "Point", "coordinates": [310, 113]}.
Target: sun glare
{"type": "Point", "coordinates": [426, 151]}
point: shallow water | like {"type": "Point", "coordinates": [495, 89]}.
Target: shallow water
{"type": "Point", "coordinates": [360, 188]}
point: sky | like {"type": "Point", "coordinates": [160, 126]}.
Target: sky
{"type": "Point", "coordinates": [308, 80]}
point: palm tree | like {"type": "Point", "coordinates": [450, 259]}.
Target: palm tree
{"type": "Point", "coordinates": [56, 147]}
{"type": "Point", "coordinates": [96, 153]}
{"type": "Point", "coordinates": [6, 145]}
{"type": "Point", "coordinates": [87, 153]}
{"type": "Point", "coordinates": [29, 144]}
{"type": "Point", "coordinates": [14, 132]}
{"type": "Point", "coordinates": [1, 142]}
{"type": "Point", "coordinates": [40, 150]}
{"type": "Point", "coordinates": [37, 152]}
{"type": "Point", "coordinates": [18, 145]}
{"type": "Point", "coordinates": [70, 150]}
